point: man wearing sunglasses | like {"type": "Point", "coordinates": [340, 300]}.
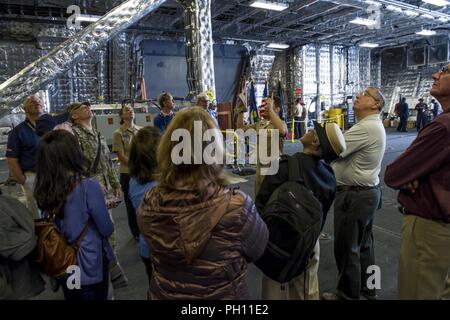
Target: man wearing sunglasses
{"type": "Point", "coordinates": [358, 196]}
{"type": "Point", "coordinates": [422, 174]}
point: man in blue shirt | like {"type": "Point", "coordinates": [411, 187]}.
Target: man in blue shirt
{"type": "Point", "coordinates": [47, 122]}
{"type": "Point", "coordinates": [163, 119]}
{"type": "Point", "coordinates": [21, 150]}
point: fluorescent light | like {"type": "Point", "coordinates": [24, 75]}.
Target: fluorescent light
{"type": "Point", "coordinates": [369, 45]}
{"type": "Point", "coordinates": [375, 3]}
{"type": "Point", "coordinates": [426, 32]}
{"type": "Point", "coordinates": [439, 3]}
{"type": "Point", "coordinates": [427, 16]}
{"type": "Point", "coordinates": [278, 46]}
{"type": "Point", "coordinates": [87, 18]}
{"type": "Point", "coordinates": [269, 5]}
{"type": "Point", "coordinates": [364, 22]}
{"type": "Point", "coordinates": [411, 13]}
{"type": "Point", "coordinates": [394, 8]}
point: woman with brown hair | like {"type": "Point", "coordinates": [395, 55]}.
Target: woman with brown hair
{"type": "Point", "coordinates": [201, 234]}
{"type": "Point", "coordinates": [77, 204]}
{"type": "Point", "coordinates": [142, 166]}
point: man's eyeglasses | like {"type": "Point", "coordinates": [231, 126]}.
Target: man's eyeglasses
{"type": "Point", "coordinates": [445, 69]}
{"type": "Point", "coordinates": [79, 106]}
{"type": "Point", "coordinates": [368, 94]}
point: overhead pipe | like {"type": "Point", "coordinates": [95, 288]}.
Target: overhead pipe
{"type": "Point", "coordinates": [39, 73]}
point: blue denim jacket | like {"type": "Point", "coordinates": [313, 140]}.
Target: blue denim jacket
{"type": "Point", "coordinates": [136, 193]}
{"type": "Point", "coordinates": [87, 202]}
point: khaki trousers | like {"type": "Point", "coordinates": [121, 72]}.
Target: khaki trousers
{"type": "Point", "coordinates": [304, 287]}
{"type": "Point", "coordinates": [424, 268]}
{"type": "Point", "coordinates": [28, 190]}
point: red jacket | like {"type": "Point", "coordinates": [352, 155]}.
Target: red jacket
{"type": "Point", "coordinates": [428, 161]}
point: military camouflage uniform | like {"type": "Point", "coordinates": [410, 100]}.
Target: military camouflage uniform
{"type": "Point", "coordinates": [105, 173]}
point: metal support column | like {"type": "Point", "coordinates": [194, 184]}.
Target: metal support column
{"type": "Point", "coordinates": [332, 75]}
{"type": "Point", "coordinates": [290, 79]}
{"type": "Point", "coordinates": [318, 108]}
{"type": "Point", "coordinates": [199, 46]}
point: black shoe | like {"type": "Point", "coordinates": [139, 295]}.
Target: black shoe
{"type": "Point", "coordinates": [369, 295]}
{"type": "Point", "coordinates": [54, 285]}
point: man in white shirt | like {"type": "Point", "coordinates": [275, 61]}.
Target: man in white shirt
{"type": "Point", "coordinates": [358, 197]}
{"type": "Point", "coordinates": [204, 101]}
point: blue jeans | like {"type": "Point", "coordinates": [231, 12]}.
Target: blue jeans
{"type": "Point", "coordinates": [91, 292]}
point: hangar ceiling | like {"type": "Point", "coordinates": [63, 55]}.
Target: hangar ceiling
{"type": "Point", "coordinates": [305, 21]}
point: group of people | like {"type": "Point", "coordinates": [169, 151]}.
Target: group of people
{"type": "Point", "coordinates": [424, 113]}
{"type": "Point", "coordinates": [197, 233]}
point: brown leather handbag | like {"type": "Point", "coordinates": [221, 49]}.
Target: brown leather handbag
{"type": "Point", "coordinates": [53, 253]}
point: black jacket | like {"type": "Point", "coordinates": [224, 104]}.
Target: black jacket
{"type": "Point", "coordinates": [318, 177]}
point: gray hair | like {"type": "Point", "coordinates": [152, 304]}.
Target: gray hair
{"type": "Point", "coordinates": [379, 98]}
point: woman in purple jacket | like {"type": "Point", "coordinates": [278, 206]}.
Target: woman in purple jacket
{"type": "Point", "coordinates": [63, 190]}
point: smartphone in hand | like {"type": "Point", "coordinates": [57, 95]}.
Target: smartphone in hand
{"type": "Point", "coordinates": [262, 109]}
{"type": "Point", "coordinates": [112, 201]}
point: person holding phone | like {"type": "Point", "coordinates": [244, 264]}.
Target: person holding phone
{"type": "Point", "coordinates": [270, 120]}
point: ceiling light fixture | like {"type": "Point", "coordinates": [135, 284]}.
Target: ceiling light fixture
{"type": "Point", "coordinates": [87, 18]}
{"type": "Point", "coordinates": [411, 13]}
{"type": "Point", "coordinates": [278, 46]}
{"type": "Point", "coordinates": [369, 45]}
{"type": "Point", "coordinates": [399, 6]}
{"type": "Point", "coordinates": [426, 32]}
{"type": "Point", "coordinates": [427, 16]}
{"type": "Point", "coordinates": [373, 3]}
{"type": "Point", "coordinates": [394, 8]}
{"type": "Point", "coordinates": [364, 22]}
{"type": "Point", "coordinates": [439, 3]}
{"type": "Point", "coordinates": [269, 5]}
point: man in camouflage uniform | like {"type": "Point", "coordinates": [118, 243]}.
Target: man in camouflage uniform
{"type": "Point", "coordinates": [88, 137]}
{"type": "Point", "coordinates": [81, 116]}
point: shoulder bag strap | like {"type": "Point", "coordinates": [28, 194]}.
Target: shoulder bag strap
{"type": "Point", "coordinates": [76, 245]}
{"type": "Point", "coordinates": [293, 169]}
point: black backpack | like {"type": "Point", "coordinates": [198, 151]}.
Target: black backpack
{"type": "Point", "coordinates": [293, 216]}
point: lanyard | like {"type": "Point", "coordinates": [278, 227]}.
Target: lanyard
{"type": "Point", "coordinates": [30, 125]}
